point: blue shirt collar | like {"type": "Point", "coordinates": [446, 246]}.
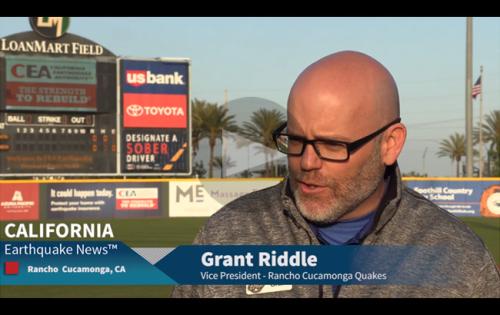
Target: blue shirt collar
{"type": "Point", "coordinates": [345, 232]}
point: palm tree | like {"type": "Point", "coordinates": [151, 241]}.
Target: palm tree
{"type": "Point", "coordinates": [259, 129]}
{"type": "Point", "coordinates": [221, 163]}
{"type": "Point", "coordinates": [241, 142]}
{"type": "Point", "coordinates": [214, 120]}
{"type": "Point", "coordinates": [246, 174]}
{"type": "Point", "coordinates": [199, 169]}
{"type": "Point", "coordinates": [491, 135]}
{"type": "Point", "coordinates": [197, 132]}
{"type": "Point", "coordinates": [453, 148]}
{"type": "Point", "coordinates": [492, 165]}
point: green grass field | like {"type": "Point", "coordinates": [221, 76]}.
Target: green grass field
{"type": "Point", "coordinates": [489, 231]}
{"type": "Point", "coordinates": [171, 232]}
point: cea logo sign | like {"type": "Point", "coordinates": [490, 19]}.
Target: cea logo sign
{"type": "Point", "coordinates": [51, 27]}
{"type": "Point", "coordinates": [30, 71]}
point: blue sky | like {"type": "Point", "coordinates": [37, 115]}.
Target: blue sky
{"type": "Point", "coordinates": [261, 57]}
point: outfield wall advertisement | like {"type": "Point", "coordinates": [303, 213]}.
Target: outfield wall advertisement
{"type": "Point", "coordinates": [19, 202]}
{"type": "Point", "coordinates": [196, 198]}
{"type": "Point", "coordinates": [104, 200]}
{"type": "Point", "coordinates": [33, 201]}
{"type": "Point", "coordinates": [199, 198]}
{"type": "Point", "coordinates": [462, 197]}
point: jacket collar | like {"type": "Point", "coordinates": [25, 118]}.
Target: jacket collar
{"type": "Point", "coordinates": [387, 208]}
{"type": "Point", "coordinates": [392, 198]}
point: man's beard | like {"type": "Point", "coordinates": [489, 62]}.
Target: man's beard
{"type": "Point", "coordinates": [344, 195]}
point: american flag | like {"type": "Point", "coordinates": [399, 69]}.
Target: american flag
{"type": "Point", "coordinates": [476, 89]}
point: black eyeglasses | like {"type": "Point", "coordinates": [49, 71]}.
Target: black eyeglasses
{"type": "Point", "coordinates": [330, 150]}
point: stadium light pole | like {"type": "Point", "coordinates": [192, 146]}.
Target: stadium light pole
{"type": "Point", "coordinates": [423, 161]}
{"type": "Point", "coordinates": [468, 99]}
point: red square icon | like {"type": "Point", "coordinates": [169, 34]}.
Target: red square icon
{"type": "Point", "coordinates": [11, 268]}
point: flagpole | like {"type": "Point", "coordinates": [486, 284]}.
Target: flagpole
{"type": "Point", "coordinates": [468, 98]}
{"type": "Point", "coordinates": [481, 125]}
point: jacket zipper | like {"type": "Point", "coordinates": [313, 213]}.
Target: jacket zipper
{"type": "Point", "coordinates": [336, 292]}
{"type": "Point", "coordinates": [288, 214]}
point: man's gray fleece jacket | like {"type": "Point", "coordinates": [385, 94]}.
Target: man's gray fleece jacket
{"type": "Point", "coordinates": [269, 217]}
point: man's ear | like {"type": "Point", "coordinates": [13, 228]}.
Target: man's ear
{"type": "Point", "coordinates": [392, 143]}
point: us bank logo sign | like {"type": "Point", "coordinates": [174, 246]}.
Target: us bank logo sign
{"type": "Point", "coordinates": [51, 27]}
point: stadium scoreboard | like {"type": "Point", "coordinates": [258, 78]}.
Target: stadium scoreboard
{"type": "Point", "coordinates": [74, 112]}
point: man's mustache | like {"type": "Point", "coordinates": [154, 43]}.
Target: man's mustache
{"type": "Point", "coordinates": [313, 179]}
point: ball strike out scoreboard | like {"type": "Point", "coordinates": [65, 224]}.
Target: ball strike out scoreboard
{"type": "Point", "coordinates": [57, 143]}
{"type": "Point", "coordinates": [66, 114]}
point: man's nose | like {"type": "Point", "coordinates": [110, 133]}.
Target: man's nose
{"type": "Point", "coordinates": [310, 159]}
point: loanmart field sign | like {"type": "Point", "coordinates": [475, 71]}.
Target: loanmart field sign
{"type": "Point", "coordinates": [155, 134]}
{"type": "Point", "coordinates": [58, 103]}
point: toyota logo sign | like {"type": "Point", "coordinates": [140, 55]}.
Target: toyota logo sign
{"type": "Point", "coordinates": [135, 110]}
